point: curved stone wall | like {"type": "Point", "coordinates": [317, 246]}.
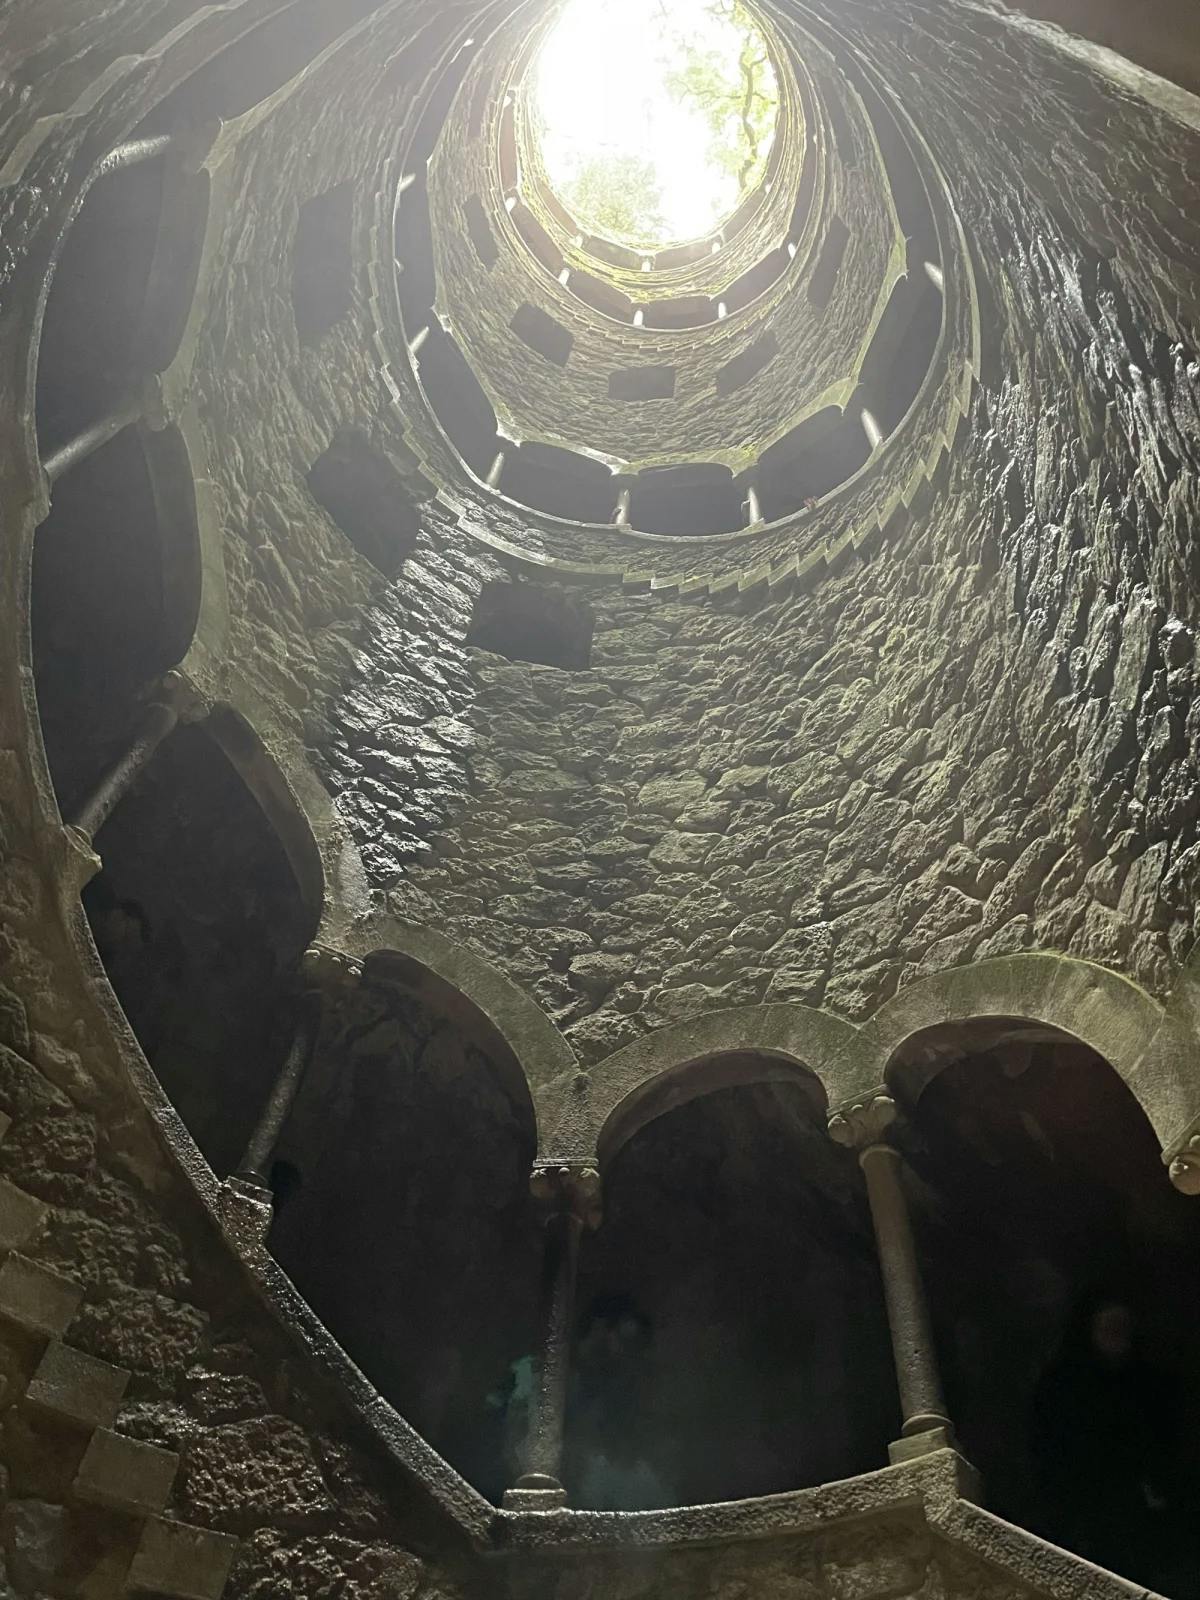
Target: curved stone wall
{"type": "Point", "coordinates": [922, 751]}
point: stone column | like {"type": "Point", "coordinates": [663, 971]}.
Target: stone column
{"type": "Point", "coordinates": [246, 1203]}
{"type": "Point", "coordinates": [570, 1200]}
{"type": "Point", "coordinates": [258, 1157]}
{"type": "Point", "coordinates": [158, 719]}
{"type": "Point", "coordinates": [926, 1425]}
{"type": "Point", "coordinates": [90, 440]}
{"type": "Point", "coordinates": [134, 151]}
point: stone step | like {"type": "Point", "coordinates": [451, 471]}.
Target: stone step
{"type": "Point", "coordinates": [126, 1474]}
{"type": "Point", "coordinates": [77, 1388]}
{"type": "Point", "coordinates": [184, 1562]}
{"type": "Point", "coordinates": [21, 1216]}
{"type": "Point", "coordinates": [36, 1298]}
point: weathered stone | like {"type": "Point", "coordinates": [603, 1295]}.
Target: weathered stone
{"type": "Point", "coordinates": [671, 793]}
{"type": "Point", "coordinates": [240, 1472]}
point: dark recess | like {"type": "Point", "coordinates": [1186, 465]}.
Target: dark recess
{"type": "Point", "coordinates": [528, 623]}
{"type": "Point", "coordinates": [322, 273]}
{"type": "Point", "coordinates": [365, 495]}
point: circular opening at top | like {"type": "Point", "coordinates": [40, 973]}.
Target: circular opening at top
{"type": "Point", "coordinates": [654, 120]}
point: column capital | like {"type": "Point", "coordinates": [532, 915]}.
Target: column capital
{"type": "Point", "coordinates": [865, 1122]}
{"type": "Point", "coordinates": [322, 967]}
{"type": "Point", "coordinates": [177, 696]}
{"type": "Point", "coordinates": [1184, 1170]}
{"type": "Point", "coordinates": [567, 1188]}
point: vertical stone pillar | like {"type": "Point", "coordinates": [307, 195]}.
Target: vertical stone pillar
{"type": "Point", "coordinates": [158, 719]}
{"type": "Point", "coordinates": [247, 1204]}
{"type": "Point", "coordinates": [259, 1155]}
{"type": "Point", "coordinates": [926, 1425]}
{"type": "Point", "coordinates": [569, 1198]}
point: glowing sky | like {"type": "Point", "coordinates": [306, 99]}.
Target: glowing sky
{"type": "Point", "coordinates": [600, 90]}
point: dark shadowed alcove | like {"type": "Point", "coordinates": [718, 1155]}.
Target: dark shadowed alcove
{"type": "Point", "coordinates": [364, 494]}
{"type": "Point", "coordinates": [88, 351]}
{"type": "Point", "coordinates": [199, 921]}
{"type": "Point", "coordinates": [1040, 1194]}
{"type": "Point", "coordinates": [115, 594]}
{"type": "Point", "coordinates": [409, 1227]}
{"type": "Point", "coordinates": [732, 1339]}
{"type": "Point", "coordinates": [528, 623]}
{"type": "Point", "coordinates": [120, 295]}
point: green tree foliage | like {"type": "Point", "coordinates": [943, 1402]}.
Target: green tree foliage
{"type": "Point", "coordinates": [618, 195]}
{"type": "Point", "coordinates": [737, 98]}
{"type": "Point", "coordinates": [713, 60]}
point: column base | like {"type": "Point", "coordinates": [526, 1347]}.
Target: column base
{"type": "Point", "coordinates": [923, 1443]}
{"type": "Point", "coordinates": [535, 1491]}
{"type": "Point", "coordinates": [247, 1209]}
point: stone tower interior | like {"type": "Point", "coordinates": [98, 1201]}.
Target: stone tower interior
{"type": "Point", "coordinates": [599, 838]}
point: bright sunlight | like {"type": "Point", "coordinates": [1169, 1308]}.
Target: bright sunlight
{"type": "Point", "coordinates": [655, 117]}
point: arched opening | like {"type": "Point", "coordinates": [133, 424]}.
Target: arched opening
{"type": "Point", "coordinates": [829, 262]}
{"type": "Point", "coordinates": [480, 230]}
{"type": "Point", "coordinates": [200, 922]}
{"type": "Point", "coordinates": [902, 348]}
{"type": "Point", "coordinates": [119, 299]}
{"type": "Point", "coordinates": [405, 1218]}
{"type": "Point", "coordinates": [413, 234]}
{"type": "Point", "coordinates": [687, 501]}
{"type": "Point", "coordinates": [458, 400]}
{"type": "Point", "coordinates": [731, 1335]}
{"type": "Point", "coordinates": [562, 482]}
{"type": "Point", "coordinates": [1039, 1197]}
{"type": "Point", "coordinates": [811, 460]}
{"type": "Point", "coordinates": [115, 596]}
{"type": "Point", "coordinates": [88, 351]}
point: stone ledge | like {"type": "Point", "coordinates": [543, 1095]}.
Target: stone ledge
{"type": "Point", "coordinates": [175, 1559]}
{"type": "Point", "coordinates": [941, 1475]}
{"type": "Point", "coordinates": [126, 1474]}
{"type": "Point", "coordinates": [76, 1387]}
{"type": "Point", "coordinates": [35, 1298]}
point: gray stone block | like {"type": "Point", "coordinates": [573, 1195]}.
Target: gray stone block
{"type": "Point", "coordinates": [77, 1387]}
{"type": "Point", "coordinates": [35, 1298]}
{"type": "Point", "coordinates": [20, 1216]}
{"type": "Point", "coordinates": [126, 1474]}
{"type": "Point", "coordinates": [176, 1559]}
